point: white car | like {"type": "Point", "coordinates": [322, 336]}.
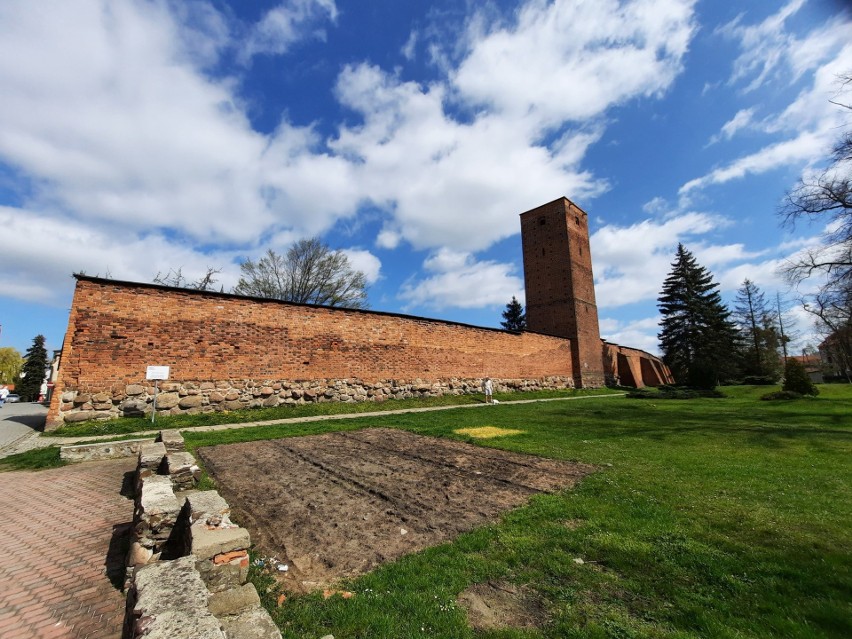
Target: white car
{"type": "Point", "coordinates": [12, 398]}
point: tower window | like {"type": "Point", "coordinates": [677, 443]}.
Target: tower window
{"type": "Point", "coordinates": [577, 219]}
{"type": "Point", "coordinates": [542, 221]}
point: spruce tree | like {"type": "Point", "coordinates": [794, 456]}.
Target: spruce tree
{"type": "Point", "coordinates": [514, 318]}
{"type": "Point", "coordinates": [697, 337]}
{"type": "Point", "coordinates": [33, 370]}
{"type": "Point", "coordinates": [797, 380]}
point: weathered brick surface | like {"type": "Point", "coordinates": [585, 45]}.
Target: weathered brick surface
{"type": "Point", "coordinates": [559, 283]}
{"type": "Point", "coordinates": [219, 341]}
{"type": "Point", "coordinates": [119, 329]}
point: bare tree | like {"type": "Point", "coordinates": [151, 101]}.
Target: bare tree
{"type": "Point", "coordinates": [175, 278]}
{"type": "Point", "coordinates": [827, 199]}
{"type": "Point", "coordinates": [758, 330]}
{"type": "Point", "coordinates": [310, 273]}
{"type": "Point", "coordinates": [785, 325]}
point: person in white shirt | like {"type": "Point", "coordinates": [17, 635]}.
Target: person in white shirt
{"type": "Point", "coordinates": [488, 388]}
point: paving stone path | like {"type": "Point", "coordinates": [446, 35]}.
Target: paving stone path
{"type": "Point", "coordinates": [60, 571]}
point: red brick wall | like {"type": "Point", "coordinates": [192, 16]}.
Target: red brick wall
{"type": "Point", "coordinates": [626, 366]}
{"type": "Point", "coordinates": [116, 329]}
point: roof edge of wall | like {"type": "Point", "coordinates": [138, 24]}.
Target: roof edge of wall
{"type": "Point", "coordinates": [189, 291]}
{"type": "Point", "coordinates": [632, 348]}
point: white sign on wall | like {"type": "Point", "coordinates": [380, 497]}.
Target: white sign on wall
{"type": "Point", "coordinates": [157, 372]}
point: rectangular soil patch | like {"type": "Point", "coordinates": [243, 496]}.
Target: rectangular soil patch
{"type": "Point", "coordinates": [339, 504]}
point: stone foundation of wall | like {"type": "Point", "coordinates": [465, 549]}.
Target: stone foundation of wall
{"type": "Point", "coordinates": [173, 398]}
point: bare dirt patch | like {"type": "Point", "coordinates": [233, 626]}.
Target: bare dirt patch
{"type": "Point", "coordinates": [493, 605]}
{"type": "Point", "coordinates": [339, 504]}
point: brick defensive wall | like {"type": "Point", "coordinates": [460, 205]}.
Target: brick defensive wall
{"type": "Point", "coordinates": [226, 352]}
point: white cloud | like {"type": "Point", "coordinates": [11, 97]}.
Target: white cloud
{"type": "Point", "coordinates": [570, 61]}
{"type": "Point", "coordinates": [740, 121]}
{"type": "Point", "coordinates": [807, 126]}
{"type": "Point", "coordinates": [112, 117]}
{"type": "Point", "coordinates": [802, 148]}
{"type": "Point", "coordinates": [631, 262]}
{"type": "Point", "coordinates": [67, 246]}
{"type": "Point", "coordinates": [409, 49]}
{"type": "Point", "coordinates": [458, 280]}
{"type": "Point", "coordinates": [447, 183]}
{"type": "Point", "coordinates": [287, 24]}
{"type": "Point", "coordinates": [365, 262]}
{"type": "Point", "coordinates": [105, 111]}
{"type": "Point", "coordinates": [764, 45]}
{"type": "Point", "coordinates": [765, 274]}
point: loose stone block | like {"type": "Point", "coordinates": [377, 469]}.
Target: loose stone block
{"type": "Point", "coordinates": [207, 542]}
{"type": "Point", "coordinates": [182, 470]}
{"type": "Point", "coordinates": [172, 440]}
{"type": "Point", "coordinates": [233, 601]}
{"type": "Point", "coordinates": [157, 511]}
{"type": "Point", "coordinates": [139, 555]}
{"type": "Point", "coordinates": [230, 557]}
{"type": "Point", "coordinates": [171, 603]}
{"type": "Point", "coordinates": [205, 504]}
{"type": "Point", "coordinates": [151, 455]}
{"type": "Point", "coordinates": [254, 623]}
{"type": "Point", "coordinates": [224, 576]}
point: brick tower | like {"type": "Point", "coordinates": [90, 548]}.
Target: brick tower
{"type": "Point", "coordinates": [559, 284]}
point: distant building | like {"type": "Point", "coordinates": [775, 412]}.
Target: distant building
{"type": "Point", "coordinates": [813, 366]}
{"type": "Point", "coordinates": [835, 353]}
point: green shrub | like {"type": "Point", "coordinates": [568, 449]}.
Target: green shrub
{"type": "Point", "coordinates": [760, 380]}
{"type": "Point", "coordinates": [674, 392]}
{"type": "Point", "coordinates": [782, 394]}
{"type": "Point", "coordinates": [643, 393]}
{"type": "Point", "coordinates": [796, 379]}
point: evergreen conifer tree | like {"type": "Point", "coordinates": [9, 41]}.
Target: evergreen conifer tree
{"type": "Point", "coordinates": [796, 379]}
{"type": "Point", "coordinates": [514, 318]}
{"type": "Point", "coordinates": [697, 337]}
{"type": "Point", "coordinates": [33, 370]}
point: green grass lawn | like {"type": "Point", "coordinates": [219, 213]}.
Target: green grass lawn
{"type": "Point", "coordinates": [130, 425]}
{"type": "Point", "coordinates": [708, 518]}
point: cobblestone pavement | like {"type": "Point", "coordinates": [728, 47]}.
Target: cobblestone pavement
{"type": "Point", "coordinates": [64, 534]}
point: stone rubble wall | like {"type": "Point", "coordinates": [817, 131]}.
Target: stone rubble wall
{"type": "Point", "coordinates": [187, 567]}
{"type": "Point", "coordinates": [175, 398]}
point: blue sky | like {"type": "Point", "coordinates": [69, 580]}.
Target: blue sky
{"type": "Point", "coordinates": [142, 136]}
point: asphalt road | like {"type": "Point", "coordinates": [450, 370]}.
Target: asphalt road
{"type": "Point", "coordinates": [19, 420]}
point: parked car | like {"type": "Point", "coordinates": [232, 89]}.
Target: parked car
{"type": "Point", "coordinates": [12, 398]}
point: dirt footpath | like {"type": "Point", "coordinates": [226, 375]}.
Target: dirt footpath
{"type": "Point", "coordinates": [338, 505]}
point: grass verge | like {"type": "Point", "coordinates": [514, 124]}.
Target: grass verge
{"type": "Point", "coordinates": [129, 425]}
{"type": "Point", "coordinates": [38, 459]}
